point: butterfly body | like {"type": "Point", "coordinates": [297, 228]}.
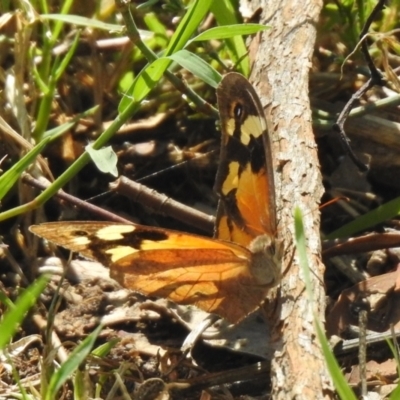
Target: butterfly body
{"type": "Point", "coordinates": [229, 275]}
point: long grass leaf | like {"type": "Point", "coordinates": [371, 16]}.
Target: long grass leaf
{"type": "Point", "coordinates": [68, 367]}
{"type": "Point", "coordinates": [14, 316]}
{"type": "Point", "coordinates": [342, 387]}
{"type": "Point", "coordinates": [10, 177]}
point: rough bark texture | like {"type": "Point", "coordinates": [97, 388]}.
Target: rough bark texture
{"type": "Point", "coordinates": [282, 61]}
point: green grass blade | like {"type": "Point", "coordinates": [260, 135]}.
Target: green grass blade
{"type": "Point", "coordinates": [10, 177]}
{"type": "Point", "coordinates": [152, 73]}
{"type": "Point", "coordinates": [146, 4]}
{"type": "Point", "coordinates": [301, 247]}
{"type": "Point", "coordinates": [197, 66]}
{"type": "Point", "coordinates": [339, 381]}
{"type": "Point", "coordinates": [395, 351]}
{"type": "Point", "coordinates": [229, 31]}
{"type": "Point", "coordinates": [104, 349]}
{"type": "Point", "coordinates": [144, 83]}
{"type": "Point", "coordinates": [188, 25]}
{"type": "Point", "coordinates": [6, 300]}
{"type": "Point", "coordinates": [17, 379]}
{"type": "Point", "coordinates": [395, 393]}
{"type": "Point", "coordinates": [85, 22]}
{"type": "Point", "coordinates": [14, 316]}
{"type": "Point", "coordinates": [368, 220]}
{"type": "Point", "coordinates": [58, 131]}
{"type": "Point", "coordinates": [82, 385]}
{"type": "Point", "coordinates": [67, 58]}
{"type": "Point", "coordinates": [394, 348]}
{"type": "Point", "coordinates": [226, 14]}
{"type": "Point", "coordinates": [158, 28]}
{"type": "Point", "coordinates": [68, 367]}
{"type": "Point", "coordinates": [58, 26]}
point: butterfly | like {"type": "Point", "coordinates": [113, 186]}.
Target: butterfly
{"type": "Point", "coordinates": [229, 275]}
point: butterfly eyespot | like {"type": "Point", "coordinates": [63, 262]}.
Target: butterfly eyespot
{"type": "Point", "coordinates": [238, 111]}
{"type": "Point", "coordinates": [79, 233]}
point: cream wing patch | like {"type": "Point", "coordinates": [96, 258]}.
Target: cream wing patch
{"type": "Point", "coordinates": [114, 232]}
{"type": "Point", "coordinates": [118, 252]}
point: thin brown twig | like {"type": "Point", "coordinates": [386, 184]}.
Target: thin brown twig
{"type": "Point", "coordinates": [81, 204]}
{"type": "Point", "coordinates": [161, 203]}
{"type": "Point", "coordinates": [158, 202]}
{"type": "Point", "coordinates": [375, 79]}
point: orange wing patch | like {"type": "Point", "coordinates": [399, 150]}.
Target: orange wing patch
{"type": "Point", "coordinates": [229, 277]}
{"type": "Point", "coordinates": [185, 268]}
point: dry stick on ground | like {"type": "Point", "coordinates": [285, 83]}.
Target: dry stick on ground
{"type": "Point", "coordinates": [280, 73]}
{"type": "Point", "coordinates": [162, 204]}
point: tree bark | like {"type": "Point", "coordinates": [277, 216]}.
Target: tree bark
{"type": "Point", "coordinates": [280, 74]}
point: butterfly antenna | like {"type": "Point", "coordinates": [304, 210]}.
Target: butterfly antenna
{"type": "Point", "coordinates": [175, 166]}
{"type": "Point", "coordinates": [99, 196]}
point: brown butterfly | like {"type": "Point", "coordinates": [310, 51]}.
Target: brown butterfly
{"type": "Point", "coordinates": [229, 275]}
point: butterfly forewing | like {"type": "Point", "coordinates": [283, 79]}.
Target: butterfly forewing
{"type": "Point", "coordinates": [245, 179]}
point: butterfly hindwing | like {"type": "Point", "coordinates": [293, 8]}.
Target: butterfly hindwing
{"type": "Point", "coordinates": [185, 268]}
